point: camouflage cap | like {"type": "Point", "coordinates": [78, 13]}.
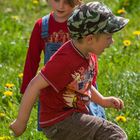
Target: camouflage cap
{"type": "Point", "coordinates": [93, 18]}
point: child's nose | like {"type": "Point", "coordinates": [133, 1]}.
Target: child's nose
{"type": "Point", "coordinates": [61, 5]}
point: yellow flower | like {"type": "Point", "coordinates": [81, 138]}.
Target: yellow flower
{"type": "Point", "coordinates": [2, 115]}
{"type": "Point", "coordinates": [136, 33]}
{"type": "Point", "coordinates": [121, 11]}
{"type": "Point", "coordinates": [121, 119]}
{"type": "Point", "coordinates": [35, 2]}
{"type": "Point", "coordinates": [20, 75]}
{"type": "Point", "coordinates": [15, 17]}
{"type": "Point", "coordinates": [127, 43]}
{"type": "Point", "coordinates": [8, 85]}
{"type": "Point", "coordinates": [5, 138]}
{"type": "Point", "coordinates": [8, 93]}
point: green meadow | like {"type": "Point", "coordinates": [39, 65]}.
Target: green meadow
{"type": "Point", "coordinates": [119, 66]}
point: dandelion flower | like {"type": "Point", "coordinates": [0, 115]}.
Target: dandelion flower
{"type": "Point", "coordinates": [5, 138]}
{"type": "Point", "coordinates": [20, 75]}
{"type": "Point", "coordinates": [127, 43]}
{"type": "Point", "coordinates": [35, 2]}
{"type": "Point", "coordinates": [121, 11]}
{"type": "Point", "coordinates": [8, 85]}
{"type": "Point", "coordinates": [15, 18]}
{"type": "Point", "coordinates": [2, 115]}
{"type": "Point", "coordinates": [136, 33]}
{"type": "Point", "coordinates": [120, 119]}
{"type": "Point", "coordinates": [8, 93]}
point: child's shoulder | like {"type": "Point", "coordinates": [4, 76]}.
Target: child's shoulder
{"type": "Point", "coordinates": [39, 21]}
{"type": "Point", "coordinates": [45, 17]}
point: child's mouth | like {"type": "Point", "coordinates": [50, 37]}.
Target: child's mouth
{"type": "Point", "coordinates": [60, 11]}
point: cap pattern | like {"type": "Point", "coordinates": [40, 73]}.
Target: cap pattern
{"type": "Point", "coordinates": [93, 18]}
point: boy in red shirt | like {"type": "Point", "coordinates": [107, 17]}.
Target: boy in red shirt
{"type": "Point", "coordinates": [49, 33]}
{"type": "Point", "coordinates": [68, 85]}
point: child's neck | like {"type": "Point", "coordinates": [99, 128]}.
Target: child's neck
{"type": "Point", "coordinates": [60, 19]}
{"type": "Point", "coordinates": [81, 48]}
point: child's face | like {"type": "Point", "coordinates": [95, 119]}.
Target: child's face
{"type": "Point", "coordinates": [100, 43]}
{"type": "Point", "coordinates": [61, 8]}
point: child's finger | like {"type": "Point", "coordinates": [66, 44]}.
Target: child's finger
{"type": "Point", "coordinates": [121, 104]}
{"type": "Point", "coordinates": [17, 130]}
{"type": "Point", "coordinates": [12, 133]}
{"type": "Point", "coordinates": [11, 128]}
{"type": "Point", "coordinates": [116, 104]}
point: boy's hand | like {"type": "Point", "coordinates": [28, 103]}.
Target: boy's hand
{"type": "Point", "coordinates": [17, 127]}
{"type": "Point", "coordinates": [113, 102]}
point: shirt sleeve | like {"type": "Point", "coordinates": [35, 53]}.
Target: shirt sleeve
{"type": "Point", "coordinates": [33, 55]}
{"type": "Point", "coordinates": [57, 71]}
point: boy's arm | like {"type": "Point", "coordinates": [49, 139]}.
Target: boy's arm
{"type": "Point", "coordinates": [27, 102]}
{"type": "Point", "coordinates": [106, 101]}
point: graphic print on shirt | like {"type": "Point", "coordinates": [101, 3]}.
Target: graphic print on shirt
{"type": "Point", "coordinates": [60, 36]}
{"type": "Point", "coordinates": [77, 94]}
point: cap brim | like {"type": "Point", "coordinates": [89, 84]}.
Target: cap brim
{"type": "Point", "coordinates": [115, 23]}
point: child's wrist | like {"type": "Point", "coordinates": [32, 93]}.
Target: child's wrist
{"type": "Point", "coordinates": [103, 102]}
{"type": "Point", "coordinates": [22, 121]}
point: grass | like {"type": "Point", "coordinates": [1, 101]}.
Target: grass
{"type": "Point", "coordinates": [119, 66]}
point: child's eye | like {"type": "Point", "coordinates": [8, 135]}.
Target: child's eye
{"type": "Point", "coordinates": [64, 1]}
{"type": "Point", "coordinates": [56, 0]}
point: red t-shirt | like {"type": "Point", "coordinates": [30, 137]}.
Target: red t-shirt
{"type": "Point", "coordinates": [57, 32]}
{"type": "Point", "coordinates": [70, 76]}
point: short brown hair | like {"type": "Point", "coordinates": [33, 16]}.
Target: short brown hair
{"type": "Point", "coordinates": [73, 3]}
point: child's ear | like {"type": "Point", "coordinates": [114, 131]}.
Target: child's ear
{"type": "Point", "coordinates": [89, 38]}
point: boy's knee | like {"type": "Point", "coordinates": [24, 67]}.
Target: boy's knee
{"type": "Point", "coordinates": [119, 132]}
{"type": "Point", "coordinates": [123, 135]}
{"type": "Point", "coordinates": [110, 131]}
